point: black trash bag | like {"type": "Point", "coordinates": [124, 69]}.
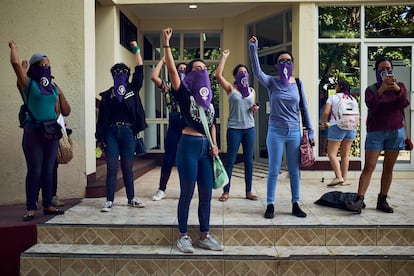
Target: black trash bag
{"type": "Point", "coordinates": [336, 199]}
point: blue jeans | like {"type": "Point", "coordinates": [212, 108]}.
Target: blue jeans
{"type": "Point", "coordinates": [194, 164]}
{"type": "Point", "coordinates": [245, 137]}
{"type": "Point", "coordinates": [278, 139]}
{"type": "Point", "coordinates": [40, 160]}
{"type": "Point", "coordinates": [171, 143]}
{"type": "Point", "coordinates": [120, 141]}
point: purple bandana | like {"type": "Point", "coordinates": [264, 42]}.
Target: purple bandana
{"type": "Point", "coordinates": [181, 74]}
{"type": "Point", "coordinates": [242, 83]}
{"type": "Point", "coordinates": [43, 76]}
{"type": "Point", "coordinates": [120, 85]}
{"type": "Point", "coordinates": [381, 75]}
{"type": "Point", "coordinates": [284, 71]}
{"type": "Point", "coordinates": [198, 82]}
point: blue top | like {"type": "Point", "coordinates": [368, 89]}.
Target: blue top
{"type": "Point", "coordinates": [41, 106]}
{"type": "Point", "coordinates": [240, 116]}
{"type": "Point", "coordinates": [284, 99]}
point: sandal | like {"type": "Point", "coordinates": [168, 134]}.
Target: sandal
{"type": "Point", "coordinates": [251, 196]}
{"type": "Point", "coordinates": [29, 216]}
{"type": "Point", "coordinates": [56, 211]}
{"type": "Point", "coordinates": [224, 197]}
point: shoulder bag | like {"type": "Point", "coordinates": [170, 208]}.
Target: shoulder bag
{"type": "Point", "coordinates": [219, 172]}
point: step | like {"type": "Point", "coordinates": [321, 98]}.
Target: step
{"type": "Point", "coordinates": [75, 259]}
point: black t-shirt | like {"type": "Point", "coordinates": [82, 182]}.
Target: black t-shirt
{"type": "Point", "coordinates": [189, 110]}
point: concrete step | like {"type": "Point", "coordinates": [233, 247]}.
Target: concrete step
{"type": "Point", "coordinates": [79, 259]}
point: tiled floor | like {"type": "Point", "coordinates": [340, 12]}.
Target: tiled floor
{"type": "Point", "coordinates": [136, 241]}
{"type": "Point", "coordinates": [239, 211]}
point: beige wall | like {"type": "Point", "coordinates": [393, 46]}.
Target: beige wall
{"type": "Point", "coordinates": [56, 28]}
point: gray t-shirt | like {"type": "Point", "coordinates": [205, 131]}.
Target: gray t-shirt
{"type": "Point", "coordinates": [240, 116]}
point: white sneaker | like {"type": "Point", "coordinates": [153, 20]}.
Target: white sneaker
{"type": "Point", "coordinates": [136, 203]}
{"type": "Point", "coordinates": [335, 181]}
{"type": "Point", "coordinates": [185, 244]}
{"type": "Point", "coordinates": [107, 207]}
{"type": "Point", "coordinates": [159, 194]}
{"type": "Point", "coordinates": [211, 243]}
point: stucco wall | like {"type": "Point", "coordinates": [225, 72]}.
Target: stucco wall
{"type": "Point", "coordinates": [56, 28]}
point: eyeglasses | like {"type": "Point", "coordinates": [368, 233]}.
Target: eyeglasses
{"type": "Point", "coordinates": [283, 61]}
{"type": "Point", "coordinates": [120, 71]}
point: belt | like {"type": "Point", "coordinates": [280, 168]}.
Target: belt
{"type": "Point", "coordinates": [123, 124]}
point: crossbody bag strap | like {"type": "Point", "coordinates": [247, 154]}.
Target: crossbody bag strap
{"type": "Point", "coordinates": [205, 125]}
{"type": "Point", "coordinates": [301, 107]}
{"type": "Point", "coordinates": [27, 104]}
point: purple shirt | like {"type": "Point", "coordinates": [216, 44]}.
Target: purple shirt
{"type": "Point", "coordinates": [385, 112]}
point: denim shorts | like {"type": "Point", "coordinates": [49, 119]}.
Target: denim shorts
{"type": "Point", "coordinates": [385, 140]}
{"type": "Point", "coordinates": [337, 134]}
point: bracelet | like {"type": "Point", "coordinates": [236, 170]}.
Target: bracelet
{"type": "Point", "coordinates": [167, 46]}
{"type": "Point", "coordinates": [136, 49]}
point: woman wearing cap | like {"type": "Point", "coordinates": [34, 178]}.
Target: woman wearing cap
{"type": "Point", "coordinates": [41, 96]}
{"type": "Point", "coordinates": [121, 116]}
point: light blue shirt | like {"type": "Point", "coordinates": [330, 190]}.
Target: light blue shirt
{"type": "Point", "coordinates": [284, 99]}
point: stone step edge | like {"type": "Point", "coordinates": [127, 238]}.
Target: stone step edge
{"type": "Point", "coordinates": [229, 252]}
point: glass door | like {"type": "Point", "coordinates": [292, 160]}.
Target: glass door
{"type": "Point", "coordinates": [402, 59]}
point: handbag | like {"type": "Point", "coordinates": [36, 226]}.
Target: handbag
{"type": "Point", "coordinates": [65, 149]}
{"type": "Point", "coordinates": [140, 148]}
{"type": "Point", "coordinates": [51, 129]}
{"type": "Point", "coordinates": [307, 157]}
{"type": "Point", "coordinates": [220, 176]}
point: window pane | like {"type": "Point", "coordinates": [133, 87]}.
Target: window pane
{"type": "Point", "coordinates": [270, 31]}
{"type": "Point", "coordinates": [338, 62]}
{"type": "Point", "coordinates": [211, 45]}
{"type": "Point", "coordinates": [339, 22]}
{"type": "Point", "coordinates": [175, 45]}
{"type": "Point", "coordinates": [389, 21]}
{"type": "Point", "coordinates": [191, 46]}
{"type": "Point", "coordinates": [152, 46]}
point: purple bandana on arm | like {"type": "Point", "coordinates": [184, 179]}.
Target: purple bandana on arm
{"type": "Point", "coordinates": [198, 82]}
{"type": "Point", "coordinates": [43, 76]}
{"type": "Point", "coordinates": [242, 83]}
{"type": "Point", "coordinates": [120, 85]}
{"type": "Point", "coordinates": [284, 71]}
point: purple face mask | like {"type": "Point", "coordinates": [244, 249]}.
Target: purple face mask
{"type": "Point", "coordinates": [42, 75]}
{"type": "Point", "coordinates": [198, 82]}
{"type": "Point", "coordinates": [284, 71]}
{"type": "Point", "coordinates": [381, 75]}
{"type": "Point", "coordinates": [120, 85]}
{"type": "Point", "coordinates": [242, 83]}
{"type": "Point", "coordinates": [181, 74]}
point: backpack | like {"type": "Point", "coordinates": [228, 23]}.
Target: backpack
{"type": "Point", "coordinates": [347, 116]}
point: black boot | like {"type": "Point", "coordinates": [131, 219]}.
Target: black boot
{"type": "Point", "coordinates": [382, 204]}
{"type": "Point", "coordinates": [356, 205]}
{"type": "Point", "coordinates": [270, 211]}
{"type": "Point", "coordinates": [296, 211]}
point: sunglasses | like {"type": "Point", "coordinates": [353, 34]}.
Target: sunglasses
{"type": "Point", "coordinates": [120, 71]}
{"type": "Point", "coordinates": [283, 61]}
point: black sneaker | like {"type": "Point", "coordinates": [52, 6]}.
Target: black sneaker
{"type": "Point", "coordinates": [270, 211]}
{"type": "Point", "coordinates": [296, 211]}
